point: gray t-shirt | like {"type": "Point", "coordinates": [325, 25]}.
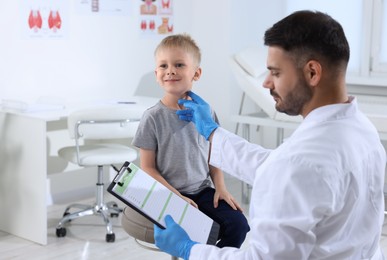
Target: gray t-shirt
{"type": "Point", "coordinates": [181, 152]}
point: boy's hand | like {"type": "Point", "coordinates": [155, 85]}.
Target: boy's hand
{"type": "Point", "coordinates": [227, 197]}
{"type": "Point", "coordinates": [199, 112]}
{"type": "Point", "coordinates": [189, 201]}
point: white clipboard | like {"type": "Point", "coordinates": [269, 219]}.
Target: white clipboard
{"type": "Point", "coordinates": [153, 200]}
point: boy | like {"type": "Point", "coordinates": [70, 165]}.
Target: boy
{"type": "Point", "coordinates": [175, 154]}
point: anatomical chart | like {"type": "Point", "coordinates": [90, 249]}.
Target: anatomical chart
{"type": "Point", "coordinates": [156, 17]}
{"type": "Point", "coordinates": [44, 19]}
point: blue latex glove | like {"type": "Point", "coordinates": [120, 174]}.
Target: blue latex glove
{"type": "Point", "coordinates": [199, 112]}
{"type": "Point", "coordinates": [173, 240]}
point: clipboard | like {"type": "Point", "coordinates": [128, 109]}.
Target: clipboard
{"type": "Point", "coordinates": [154, 201]}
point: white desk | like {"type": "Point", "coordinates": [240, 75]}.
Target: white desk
{"type": "Point", "coordinates": [23, 166]}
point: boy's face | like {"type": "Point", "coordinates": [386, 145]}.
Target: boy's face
{"type": "Point", "coordinates": [176, 70]}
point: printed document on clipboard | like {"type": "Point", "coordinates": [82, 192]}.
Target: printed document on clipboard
{"type": "Point", "coordinates": [153, 200]}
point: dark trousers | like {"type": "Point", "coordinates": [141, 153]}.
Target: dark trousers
{"type": "Point", "coordinates": [233, 224]}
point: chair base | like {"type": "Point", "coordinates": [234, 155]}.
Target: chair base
{"type": "Point", "coordinates": [106, 211]}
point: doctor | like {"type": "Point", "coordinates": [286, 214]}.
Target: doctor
{"type": "Point", "coordinates": [319, 195]}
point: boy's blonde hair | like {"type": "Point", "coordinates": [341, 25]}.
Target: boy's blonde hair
{"type": "Point", "coordinates": [183, 41]}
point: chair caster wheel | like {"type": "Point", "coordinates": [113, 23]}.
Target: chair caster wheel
{"type": "Point", "coordinates": [110, 238]}
{"type": "Point", "coordinates": [114, 214]}
{"type": "Point", "coordinates": [61, 232]}
{"type": "Point", "coordinates": [65, 214]}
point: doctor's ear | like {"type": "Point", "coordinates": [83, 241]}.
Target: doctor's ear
{"type": "Point", "coordinates": [312, 72]}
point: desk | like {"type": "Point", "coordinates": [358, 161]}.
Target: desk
{"type": "Point", "coordinates": [23, 166]}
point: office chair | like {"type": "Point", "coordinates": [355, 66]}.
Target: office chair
{"type": "Point", "coordinates": [140, 228]}
{"type": "Point", "coordinates": [94, 131]}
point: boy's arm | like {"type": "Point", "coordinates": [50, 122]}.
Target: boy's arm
{"type": "Point", "coordinates": [221, 192]}
{"type": "Point", "coordinates": [148, 164]}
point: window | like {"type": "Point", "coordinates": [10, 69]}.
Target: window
{"type": "Point", "coordinates": [365, 25]}
{"type": "Point", "coordinates": [379, 44]}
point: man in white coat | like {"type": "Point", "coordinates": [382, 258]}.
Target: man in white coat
{"type": "Point", "coordinates": [319, 195]}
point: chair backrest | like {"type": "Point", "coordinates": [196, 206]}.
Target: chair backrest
{"type": "Point", "coordinates": [104, 122]}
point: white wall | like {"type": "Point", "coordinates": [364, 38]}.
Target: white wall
{"type": "Point", "coordinates": [105, 56]}
{"type": "Point", "coordinates": [101, 56]}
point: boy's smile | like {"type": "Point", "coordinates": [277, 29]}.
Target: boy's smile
{"type": "Point", "coordinates": [176, 70]}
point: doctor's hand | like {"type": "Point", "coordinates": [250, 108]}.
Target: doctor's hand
{"type": "Point", "coordinates": [199, 112]}
{"type": "Point", "coordinates": [173, 240]}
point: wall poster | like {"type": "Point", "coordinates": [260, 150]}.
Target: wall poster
{"type": "Point", "coordinates": [156, 17]}
{"type": "Point", "coordinates": [44, 19]}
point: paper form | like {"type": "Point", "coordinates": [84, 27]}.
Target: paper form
{"type": "Point", "coordinates": [157, 201]}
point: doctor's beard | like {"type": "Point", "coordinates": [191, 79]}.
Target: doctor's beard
{"type": "Point", "coordinates": [293, 103]}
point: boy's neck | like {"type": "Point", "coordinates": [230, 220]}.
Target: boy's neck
{"type": "Point", "coordinates": [171, 102]}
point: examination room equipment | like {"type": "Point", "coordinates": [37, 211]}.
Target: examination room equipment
{"type": "Point", "coordinates": [101, 125]}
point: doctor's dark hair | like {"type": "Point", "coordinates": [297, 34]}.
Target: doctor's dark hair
{"type": "Point", "coordinates": [307, 35]}
{"type": "Point", "coordinates": [183, 41]}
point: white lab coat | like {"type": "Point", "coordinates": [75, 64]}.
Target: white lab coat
{"type": "Point", "coordinates": [319, 195]}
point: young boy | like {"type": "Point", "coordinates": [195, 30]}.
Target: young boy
{"type": "Point", "coordinates": [175, 154]}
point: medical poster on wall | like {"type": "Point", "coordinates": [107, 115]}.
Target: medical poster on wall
{"type": "Point", "coordinates": [156, 17]}
{"type": "Point", "coordinates": [103, 7]}
{"type": "Point", "coordinates": [44, 19]}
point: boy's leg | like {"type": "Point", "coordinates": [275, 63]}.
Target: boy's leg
{"type": "Point", "coordinates": [233, 224]}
